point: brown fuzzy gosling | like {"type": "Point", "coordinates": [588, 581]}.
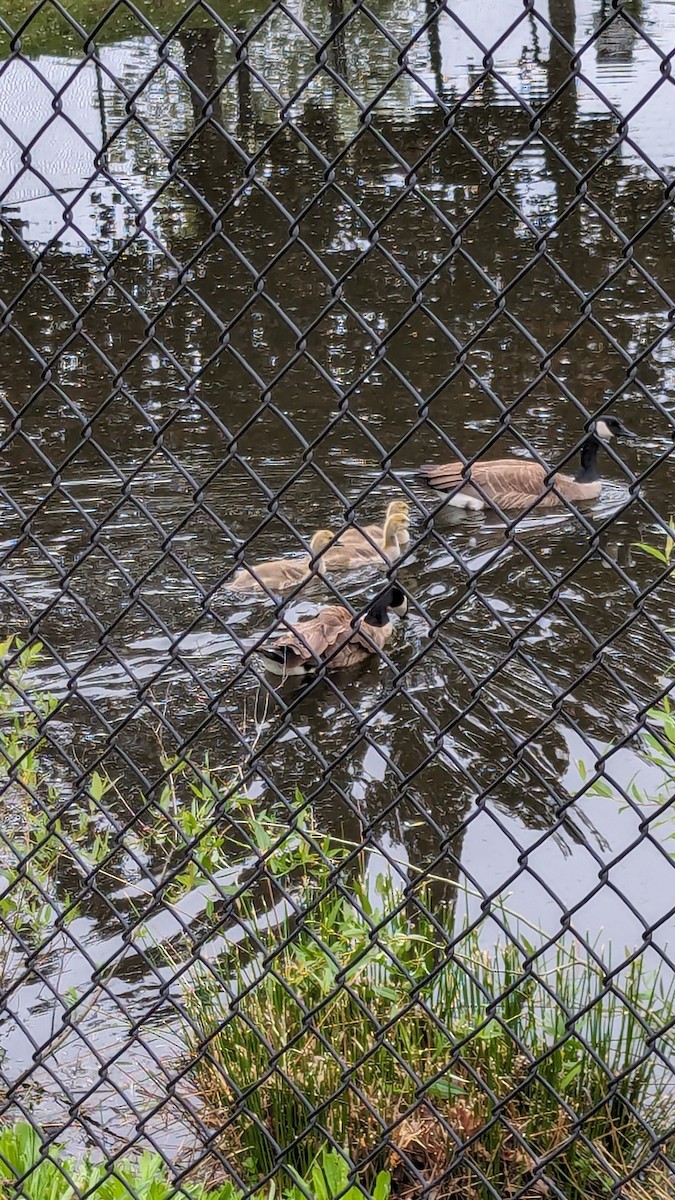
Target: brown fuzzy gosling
{"type": "Point", "coordinates": [280, 574]}
{"type": "Point", "coordinates": [356, 535]}
{"type": "Point", "coordinates": [361, 553]}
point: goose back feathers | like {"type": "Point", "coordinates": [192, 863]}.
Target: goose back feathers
{"type": "Point", "coordinates": [334, 638]}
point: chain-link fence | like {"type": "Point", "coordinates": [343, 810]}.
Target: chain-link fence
{"type": "Point", "coordinates": [398, 924]}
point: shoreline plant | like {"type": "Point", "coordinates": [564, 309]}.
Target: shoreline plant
{"type": "Point", "coordinates": [34, 1168]}
{"type": "Point", "coordinates": [356, 1018]}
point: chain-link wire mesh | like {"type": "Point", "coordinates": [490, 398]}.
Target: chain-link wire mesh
{"type": "Point", "coordinates": [260, 264]}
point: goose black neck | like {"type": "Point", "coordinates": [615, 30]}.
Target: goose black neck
{"type": "Point", "coordinates": [588, 470]}
{"type": "Point", "coordinates": [378, 613]}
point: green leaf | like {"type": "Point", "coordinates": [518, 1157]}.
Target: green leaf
{"type": "Point", "coordinates": [262, 838]}
{"type": "Point", "coordinates": [602, 788]}
{"type": "Point", "coordinates": [570, 1075]}
{"type": "Point", "coordinates": [668, 726]}
{"type": "Point", "coordinates": [653, 550]}
{"type": "Point", "coordinates": [5, 646]}
{"type": "Point", "coordinates": [490, 1031]}
{"type": "Point", "coordinates": [382, 1186]}
{"type": "Point", "coordinates": [447, 1087]}
{"type": "Point", "coordinates": [336, 1171]}
{"type": "Point", "coordinates": [388, 993]}
{"type": "Point", "coordinates": [98, 786]}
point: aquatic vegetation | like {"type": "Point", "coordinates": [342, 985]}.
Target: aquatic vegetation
{"type": "Point", "coordinates": [27, 795]}
{"type": "Point", "coordinates": [355, 1016]}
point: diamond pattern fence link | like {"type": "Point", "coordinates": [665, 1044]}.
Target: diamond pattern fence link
{"type": "Point", "coordinates": [404, 928]}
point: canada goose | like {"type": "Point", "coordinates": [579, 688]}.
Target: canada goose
{"type": "Point", "coordinates": [334, 637]}
{"type": "Point", "coordinates": [354, 536]}
{"type": "Point", "coordinates": [280, 574]}
{"type": "Point", "coordinates": [362, 552]}
{"type": "Point", "coordinates": [518, 483]}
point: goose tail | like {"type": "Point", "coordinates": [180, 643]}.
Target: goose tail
{"type": "Point", "coordinates": [280, 660]}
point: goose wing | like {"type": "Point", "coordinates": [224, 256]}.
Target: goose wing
{"type": "Point", "coordinates": [318, 637]}
{"type": "Point", "coordinates": [329, 635]}
{"type": "Point", "coordinates": [507, 481]}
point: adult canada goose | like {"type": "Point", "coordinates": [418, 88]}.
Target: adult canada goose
{"type": "Point", "coordinates": [358, 535]}
{"type": "Point", "coordinates": [348, 554]}
{"type": "Point", "coordinates": [519, 482]}
{"type": "Point", "coordinates": [334, 637]}
{"type": "Point", "coordinates": [280, 574]}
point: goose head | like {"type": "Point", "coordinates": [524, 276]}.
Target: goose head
{"type": "Point", "coordinates": [605, 428]}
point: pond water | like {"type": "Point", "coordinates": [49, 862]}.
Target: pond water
{"type": "Point", "coordinates": [240, 327]}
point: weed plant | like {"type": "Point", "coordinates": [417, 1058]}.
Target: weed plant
{"type": "Point", "coordinates": [30, 1169]}
{"type": "Point", "coordinates": [355, 1019]}
{"type": "Point", "coordinates": [29, 845]}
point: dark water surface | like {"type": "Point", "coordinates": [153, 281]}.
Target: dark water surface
{"type": "Point", "coordinates": [192, 339]}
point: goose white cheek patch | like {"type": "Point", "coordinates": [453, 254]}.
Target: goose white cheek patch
{"type": "Point", "coordinates": [603, 431]}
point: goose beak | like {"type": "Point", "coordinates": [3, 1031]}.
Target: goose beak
{"type": "Point", "coordinates": [627, 433]}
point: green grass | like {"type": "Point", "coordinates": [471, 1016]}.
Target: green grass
{"type": "Point", "coordinates": [29, 844]}
{"type": "Point", "coordinates": [34, 1170]}
{"type": "Point", "coordinates": [352, 1016]}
